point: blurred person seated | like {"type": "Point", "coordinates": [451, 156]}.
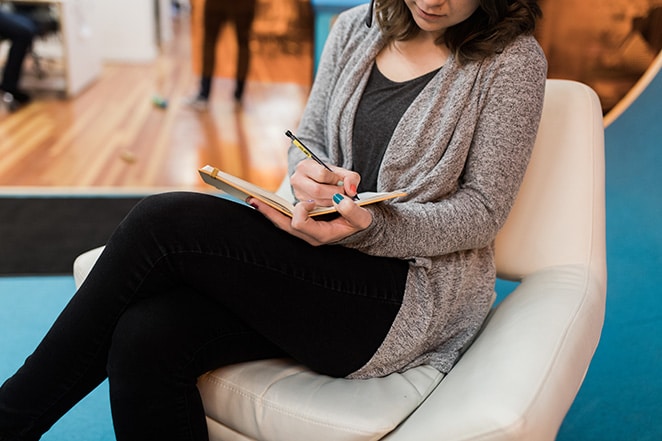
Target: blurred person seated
{"type": "Point", "coordinates": [20, 30]}
{"type": "Point", "coordinates": [20, 23]}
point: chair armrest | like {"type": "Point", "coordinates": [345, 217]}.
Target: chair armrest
{"type": "Point", "coordinates": [84, 263]}
{"type": "Point", "coordinates": [519, 378]}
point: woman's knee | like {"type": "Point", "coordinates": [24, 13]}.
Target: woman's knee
{"type": "Point", "coordinates": [164, 203]}
{"type": "Point", "coordinates": [139, 346]}
{"type": "Point", "coordinates": [191, 213]}
{"type": "Point", "coordinates": [164, 211]}
{"type": "Point", "coordinates": [164, 334]}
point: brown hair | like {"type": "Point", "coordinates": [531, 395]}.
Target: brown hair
{"type": "Point", "coordinates": [490, 28]}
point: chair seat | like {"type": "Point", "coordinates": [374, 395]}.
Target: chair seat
{"type": "Point", "coordinates": [281, 400]}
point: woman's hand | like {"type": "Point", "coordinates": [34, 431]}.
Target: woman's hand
{"type": "Point", "coordinates": [352, 219]}
{"type": "Point", "coordinates": [312, 182]}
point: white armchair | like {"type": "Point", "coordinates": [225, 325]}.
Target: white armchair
{"type": "Point", "coordinates": [520, 376]}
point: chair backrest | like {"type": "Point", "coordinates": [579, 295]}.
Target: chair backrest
{"type": "Point", "coordinates": [559, 215]}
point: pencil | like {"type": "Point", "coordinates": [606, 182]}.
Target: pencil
{"type": "Point", "coordinates": [311, 155]}
{"type": "Point", "coordinates": [306, 150]}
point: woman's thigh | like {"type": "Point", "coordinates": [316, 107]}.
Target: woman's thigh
{"type": "Point", "coordinates": [181, 335]}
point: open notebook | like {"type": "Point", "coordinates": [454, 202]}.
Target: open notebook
{"type": "Point", "coordinates": [241, 189]}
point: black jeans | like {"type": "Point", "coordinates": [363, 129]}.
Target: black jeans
{"type": "Point", "coordinates": [188, 283]}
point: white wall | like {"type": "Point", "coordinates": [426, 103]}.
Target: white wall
{"type": "Point", "coordinates": [83, 59]}
{"type": "Point", "coordinates": [128, 29]}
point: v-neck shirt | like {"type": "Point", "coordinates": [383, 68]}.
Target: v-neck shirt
{"type": "Point", "coordinates": [383, 103]}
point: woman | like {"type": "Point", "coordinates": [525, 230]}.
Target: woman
{"type": "Point", "coordinates": [441, 99]}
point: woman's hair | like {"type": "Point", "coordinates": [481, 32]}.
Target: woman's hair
{"type": "Point", "coordinates": [487, 31]}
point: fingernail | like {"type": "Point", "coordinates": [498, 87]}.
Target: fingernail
{"type": "Point", "coordinates": [353, 189]}
{"type": "Point", "coordinates": [340, 183]}
{"type": "Point", "coordinates": [337, 198]}
{"type": "Point", "coordinates": [252, 204]}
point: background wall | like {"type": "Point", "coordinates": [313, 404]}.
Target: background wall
{"type": "Point", "coordinates": [130, 30]}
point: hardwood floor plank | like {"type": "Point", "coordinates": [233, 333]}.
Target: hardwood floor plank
{"type": "Point", "coordinates": [112, 135]}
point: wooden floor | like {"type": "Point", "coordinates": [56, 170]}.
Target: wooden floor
{"type": "Point", "coordinates": [112, 137]}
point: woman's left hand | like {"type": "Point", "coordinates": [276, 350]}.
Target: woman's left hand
{"type": "Point", "coordinates": [352, 219]}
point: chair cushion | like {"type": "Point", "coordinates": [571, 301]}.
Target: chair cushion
{"type": "Point", "coordinates": [281, 400]}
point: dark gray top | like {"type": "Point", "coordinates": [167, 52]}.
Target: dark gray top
{"type": "Point", "coordinates": [382, 105]}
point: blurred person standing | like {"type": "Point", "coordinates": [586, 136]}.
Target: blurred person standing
{"type": "Point", "coordinates": [216, 14]}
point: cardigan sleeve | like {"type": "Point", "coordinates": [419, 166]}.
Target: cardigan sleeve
{"type": "Point", "coordinates": [511, 95]}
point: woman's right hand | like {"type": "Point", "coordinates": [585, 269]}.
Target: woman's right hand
{"type": "Point", "coordinates": [312, 182]}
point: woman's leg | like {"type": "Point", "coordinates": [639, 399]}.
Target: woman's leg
{"type": "Point", "coordinates": [328, 307]}
{"type": "Point", "coordinates": [159, 348]}
{"type": "Point", "coordinates": [235, 256]}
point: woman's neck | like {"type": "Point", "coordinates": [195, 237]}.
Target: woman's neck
{"type": "Point", "coordinates": [408, 59]}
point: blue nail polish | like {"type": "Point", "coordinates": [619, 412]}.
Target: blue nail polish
{"type": "Point", "coordinates": [337, 198]}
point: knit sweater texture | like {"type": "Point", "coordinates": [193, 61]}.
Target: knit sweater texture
{"type": "Point", "coordinates": [460, 152]}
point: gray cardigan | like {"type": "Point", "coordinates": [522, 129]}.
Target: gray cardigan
{"type": "Point", "coordinates": [460, 151]}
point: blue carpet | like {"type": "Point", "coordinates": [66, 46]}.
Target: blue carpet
{"type": "Point", "coordinates": [28, 306]}
{"type": "Point", "coordinates": [621, 398]}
